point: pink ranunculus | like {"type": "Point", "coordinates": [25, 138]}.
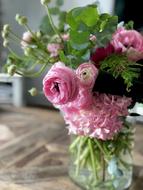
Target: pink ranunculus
{"type": "Point", "coordinates": [53, 49]}
{"type": "Point", "coordinates": [60, 85]}
{"type": "Point", "coordinates": [130, 42]}
{"type": "Point", "coordinates": [87, 74]}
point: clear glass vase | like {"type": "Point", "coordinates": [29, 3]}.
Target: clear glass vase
{"type": "Point", "coordinates": [102, 165]}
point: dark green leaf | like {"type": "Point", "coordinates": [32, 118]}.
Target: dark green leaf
{"type": "Point", "coordinates": [45, 26]}
{"type": "Point", "coordinates": [54, 10]}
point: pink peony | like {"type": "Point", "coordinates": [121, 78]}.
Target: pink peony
{"type": "Point", "coordinates": [87, 74]}
{"type": "Point", "coordinates": [130, 42]}
{"type": "Point", "coordinates": [60, 84]}
{"type": "Point", "coordinates": [53, 49]}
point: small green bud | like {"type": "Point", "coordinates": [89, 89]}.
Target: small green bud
{"type": "Point", "coordinates": [10, 61]}
{"type": "Point", "coordinates": [45, 2]}
{"type": "Point", "coordinates": [27, 51]}
{"type": "Point", "coordinates": [5, 43]}
{"type": "Point", "coordinates": [38, 34]}
{"type": "Point", "coordinates": [17, 17]}
{"type": "Point", "coordinates": [33, 91]}
{"type": "Point", "coordinates": [11, 70]}
{"type": "Point", "coordinates": [4, 34]}
{"type": "Point", "coordinates": [6, 27]}
{"type": "Point", "coordinates": [22, 20]}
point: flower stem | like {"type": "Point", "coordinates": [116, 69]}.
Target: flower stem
{"type": "Point", "coordinates": [92, 157]}
{"type": "Point", "coordinates": [52, 23]}
{"type": "Point", "coordinates": [103, 167]}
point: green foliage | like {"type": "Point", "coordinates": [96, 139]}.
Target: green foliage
{"type": "Point", "coordinates": [87, 15]}
{"type": "Point", "coordinates": [119, 65]}
{"type": "Point", "coordinates": [60, 2]}
{"type": "Point", "coordinates": [129, 25]}
{"type": "Point", "coordinates": [45, 26]}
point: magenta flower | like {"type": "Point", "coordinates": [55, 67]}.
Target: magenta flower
{"type": "Point", "coordinates": [60, 84]}
{"type": "Point", "coordinates": [130, 42]}
{"type": "Point", "coordinates": [101, 53]}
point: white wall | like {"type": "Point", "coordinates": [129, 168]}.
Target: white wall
{"type": "Point", "coordinates": [105, 5]}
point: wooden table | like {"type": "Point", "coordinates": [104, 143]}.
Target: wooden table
{"type": "Point", "coordinates": [34, 151]}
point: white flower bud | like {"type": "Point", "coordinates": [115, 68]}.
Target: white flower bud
{"type": "Point", "coordinates": [6, 28]}
{"type": "Point", "coordinates": [5, 43]}
{"type": "Point", "coordinates": [45, 2]}
{"type": "Point", "coordinates": [4, 34]}
{"type": "Point", "coordinates": [17, 17]}
{"type": "Point", "coordinates": [11, 70]}
{"type": "Point", "coordinates": [33, 91]}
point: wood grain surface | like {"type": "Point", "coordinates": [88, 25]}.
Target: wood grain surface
{"type": "Point", "coordinates": [34, 151]}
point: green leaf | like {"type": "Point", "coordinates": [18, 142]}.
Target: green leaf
{"type": "Point", "coordinates": [60, 2]}
{"type": "Point", "coordinates": [79, 40]}
{"type": "Point", "coordinates": [87, 15]}
{"type": "Point", "coordinates": [54, 10]}
{"type": "Point", "coordinates": [86, 55]}
{"type": "Point", "coordinates": [45, 26]}
{"type": "Point", "coordinates": [129, 25]}
{"type": "Point", "coordinates": [79, 37]}
{"type": "Point", "coordinates": [63, 58]}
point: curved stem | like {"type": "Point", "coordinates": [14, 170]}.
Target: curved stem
{"type": "Point", "coordinates": [52, 23]}
{"type": "Point", "coordinates": [14, 54]}
{"type": "Point", "coordinates": [36, 74]}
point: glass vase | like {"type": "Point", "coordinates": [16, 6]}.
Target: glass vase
{"type": "Point", "coordinates": [103, 165]}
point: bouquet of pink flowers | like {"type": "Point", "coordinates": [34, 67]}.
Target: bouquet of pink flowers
{"type": "Point", "coordinates": [95, 74]}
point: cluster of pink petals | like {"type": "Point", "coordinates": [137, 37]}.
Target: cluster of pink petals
{"type": "Point", "coordinates": [101, 120]}
{"type": "Point", "coordinates": [94, 115]}
{"type": "Point", "coordinates": [53, 49]}
{"type": "Point", "coordinates": [130, 42]}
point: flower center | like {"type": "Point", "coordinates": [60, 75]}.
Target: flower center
{"type": "Point", "coordinates": [56, 86]}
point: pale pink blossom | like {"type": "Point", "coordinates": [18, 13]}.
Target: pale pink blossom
{"type": "Point", "coordinates": [92, 38]}
{"type": "Point", "coordinates": [53, 49]}
{"type": "Point", "coordinates": [65, 37]}
{"type": "Point", "coordinates": [130, 42]}
{"type": "Point", "coordinates": [60, 84]}
{"type": "Point", "coordinates": [26, 39]}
